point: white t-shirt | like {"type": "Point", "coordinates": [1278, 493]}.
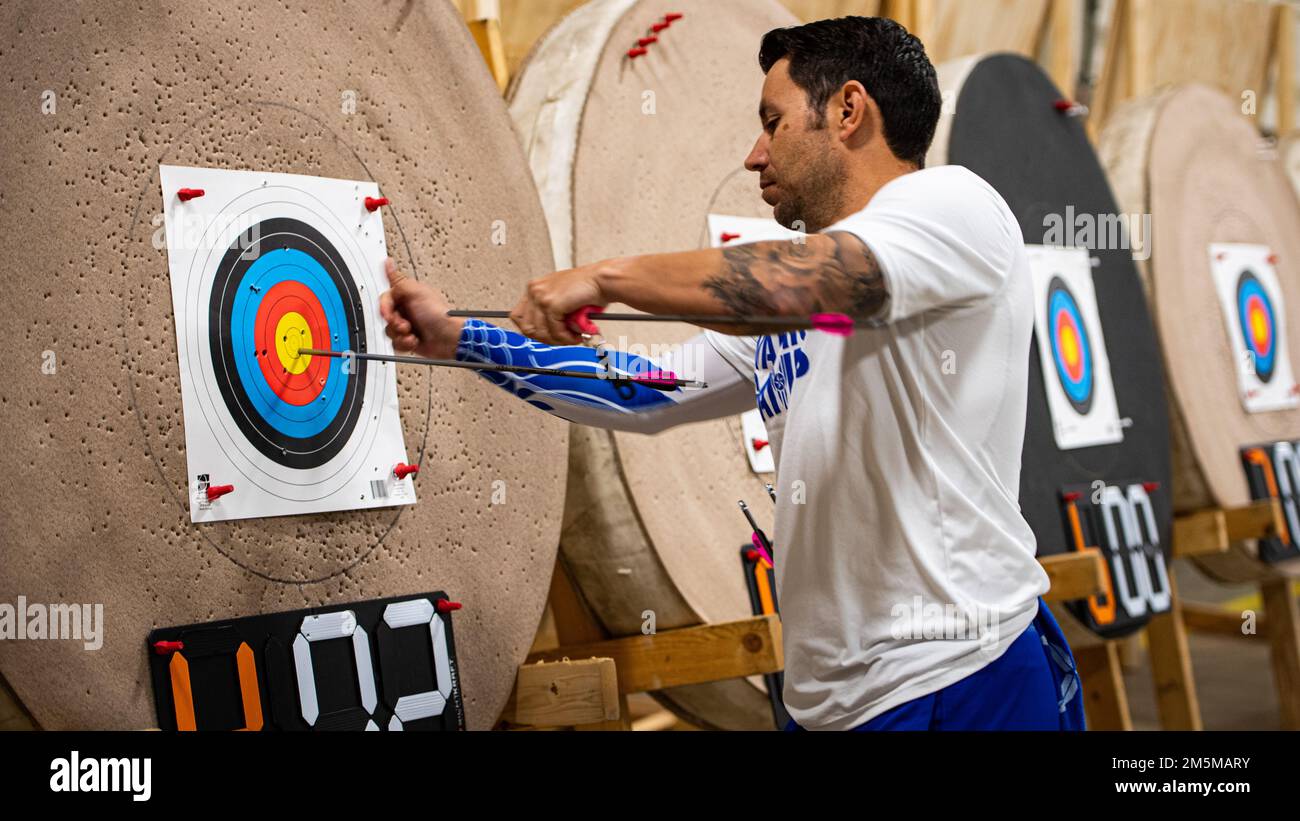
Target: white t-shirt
{"type": "Point", "coordinates": [903, 563]}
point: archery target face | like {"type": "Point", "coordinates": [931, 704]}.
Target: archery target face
{"type": "Point", "coordinates": [1256, 318]}
{"type": "Point", "coordinates": [263, 266]}
{"type": "Point", "coordinates": [1076, 368]}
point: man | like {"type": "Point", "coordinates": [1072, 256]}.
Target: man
{"type": "Point", "coordinates": [906, 574]}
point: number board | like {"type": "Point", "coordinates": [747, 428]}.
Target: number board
{"type": "Point", "coordinates": [1273, 472]}
{"type": "Point", "coordinates": [1120, 520]}
{"type": "Point", "coordinates": [380, 664]}
{"type": "Point", "coordinates": [760, 581]}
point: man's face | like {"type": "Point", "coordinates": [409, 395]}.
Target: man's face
{"type": "Point", "coordinates": [799, 164]}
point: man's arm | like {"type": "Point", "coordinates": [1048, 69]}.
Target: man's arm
{"type": "Point", "coordinates": [830, 273]}
{"type": "Point", "coordinates": [602, 403]}
{"type": "Point", "coordinates": [820, 273]}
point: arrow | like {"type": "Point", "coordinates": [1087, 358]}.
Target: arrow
{"type": "Point", "coordinates": [759, 538]}
{"type": "Point", "coordinates": [657, 380]}
{"type": "Point", "coordinates": [580, 321]}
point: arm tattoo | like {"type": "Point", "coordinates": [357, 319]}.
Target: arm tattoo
{"type": "Point", "coordinates": [828, 272]}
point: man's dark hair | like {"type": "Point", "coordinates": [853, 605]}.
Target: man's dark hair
{"type": "Point", "coordinates": [890, 63]}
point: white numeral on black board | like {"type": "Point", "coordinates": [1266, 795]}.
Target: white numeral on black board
{"type": "Point", "coordinates": [329, 626]}
{"type": "Point", "coordinates": [1137, 526]}
{"type": "Point", "coordinates": [343, 625]}
{"type": "Point", "coordinates": [430, 703]}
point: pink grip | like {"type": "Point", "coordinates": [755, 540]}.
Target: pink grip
{"type": "Point", "coordinates": [580, 320]}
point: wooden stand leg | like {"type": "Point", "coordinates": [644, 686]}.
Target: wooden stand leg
{"type": "Point", "coordinates": [1284, 635]}
{"type": "Point", "coordinates": [1171, 668]}
{"type": "Point", "coordinates": [623, 722]}
{"type": "Point", "coordinates": [1104, 699]}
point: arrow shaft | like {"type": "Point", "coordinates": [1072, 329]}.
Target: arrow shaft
{"type": "Point", "coordinates": [492, 366]}
{"type": "Point", "coordinates": [694, 319]}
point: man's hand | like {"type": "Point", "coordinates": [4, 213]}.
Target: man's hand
{"type": "Point", "coordinates": [548, 300]}
{"type": "Point", "coordinates": [417, 319]}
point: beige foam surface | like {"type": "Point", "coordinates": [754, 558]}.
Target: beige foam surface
{"type": "Point", "coordinates": [93, 505]}
{"type": "Point", "coordinates": [1190, 159]}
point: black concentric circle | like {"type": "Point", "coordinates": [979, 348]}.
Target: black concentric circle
{"type": "Point", "coordinates": [282, 233]}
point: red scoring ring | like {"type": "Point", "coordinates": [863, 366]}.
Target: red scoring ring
{"type": "Point", "coordinates": [284, 297]}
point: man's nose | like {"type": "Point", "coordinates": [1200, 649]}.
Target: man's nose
{"type": "Point", "coordinates": [757, 159]}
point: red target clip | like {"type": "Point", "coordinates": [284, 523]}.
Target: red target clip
{"type": "Point", "coordinates": [162, 648]}
{"type": "Point", "coordinates": [727, 236]}
{"type": "Point", "coordinates": [645, 41]}
{"type": "Point", "coordinates": [444, 606]}
{"type": "Point", "coordinates": [187, 194]}
{"type": "Point", "coordinates": [759, 444]}
{"type": "Point", "coordinates": [1150, 487]}
{"type": "Point", "coordinates": [660, 26]}
{"type": "Point", "coordinates": [635, 52]}
{"type": "Point", "coordinates": [403, 470]}
{"type": "Point", "coordinates": [1070, 108]}
{"type": "Point", "coordinates": [375, 203]}
{"type": "Point", "coordinates": [1072, 496]}
{"type": "Point", "coordinates": [672, 16]}
{"type": "Point", "coordinates": [752, 555]}
{"type": "Point", "coordinates": [215, 492]}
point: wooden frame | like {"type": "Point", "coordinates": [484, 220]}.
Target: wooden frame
{"type": "Point", "coordinates": [1130, 70]}
{"type": "Point", "coordinates": [1214, 531]}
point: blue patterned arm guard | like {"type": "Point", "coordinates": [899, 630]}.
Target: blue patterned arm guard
{"type": "Point", "coordinates": [598, 402]}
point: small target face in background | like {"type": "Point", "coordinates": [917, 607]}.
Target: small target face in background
{"type": "Point", "coordinates": [1254, 313]}
{"type": "Point", "coordinates": [1072, 351]}
{"type": "Point", "coordinates": [1258, 324]}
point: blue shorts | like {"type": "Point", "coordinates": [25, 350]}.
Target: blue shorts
{"type": "Point", "coordinates": [1032, 686]}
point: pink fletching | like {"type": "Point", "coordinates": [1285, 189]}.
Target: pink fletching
{"type": "Point", "coordinates": [666, 379]}
{"type": "Point", "coordinates": [837, 324]}
{"type": "Point", "coordinates": [758, 543]}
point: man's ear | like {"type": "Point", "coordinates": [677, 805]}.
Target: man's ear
{"type": "Point", "coordinates": [858, 114]}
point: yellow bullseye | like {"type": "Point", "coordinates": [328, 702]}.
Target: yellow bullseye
{"type": "Point", "coordinates": [1069, 346]}
{"type": "Point", "coordinates": [291, 335]}
{"type": "Point", "coordinates": [1259, 327]}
